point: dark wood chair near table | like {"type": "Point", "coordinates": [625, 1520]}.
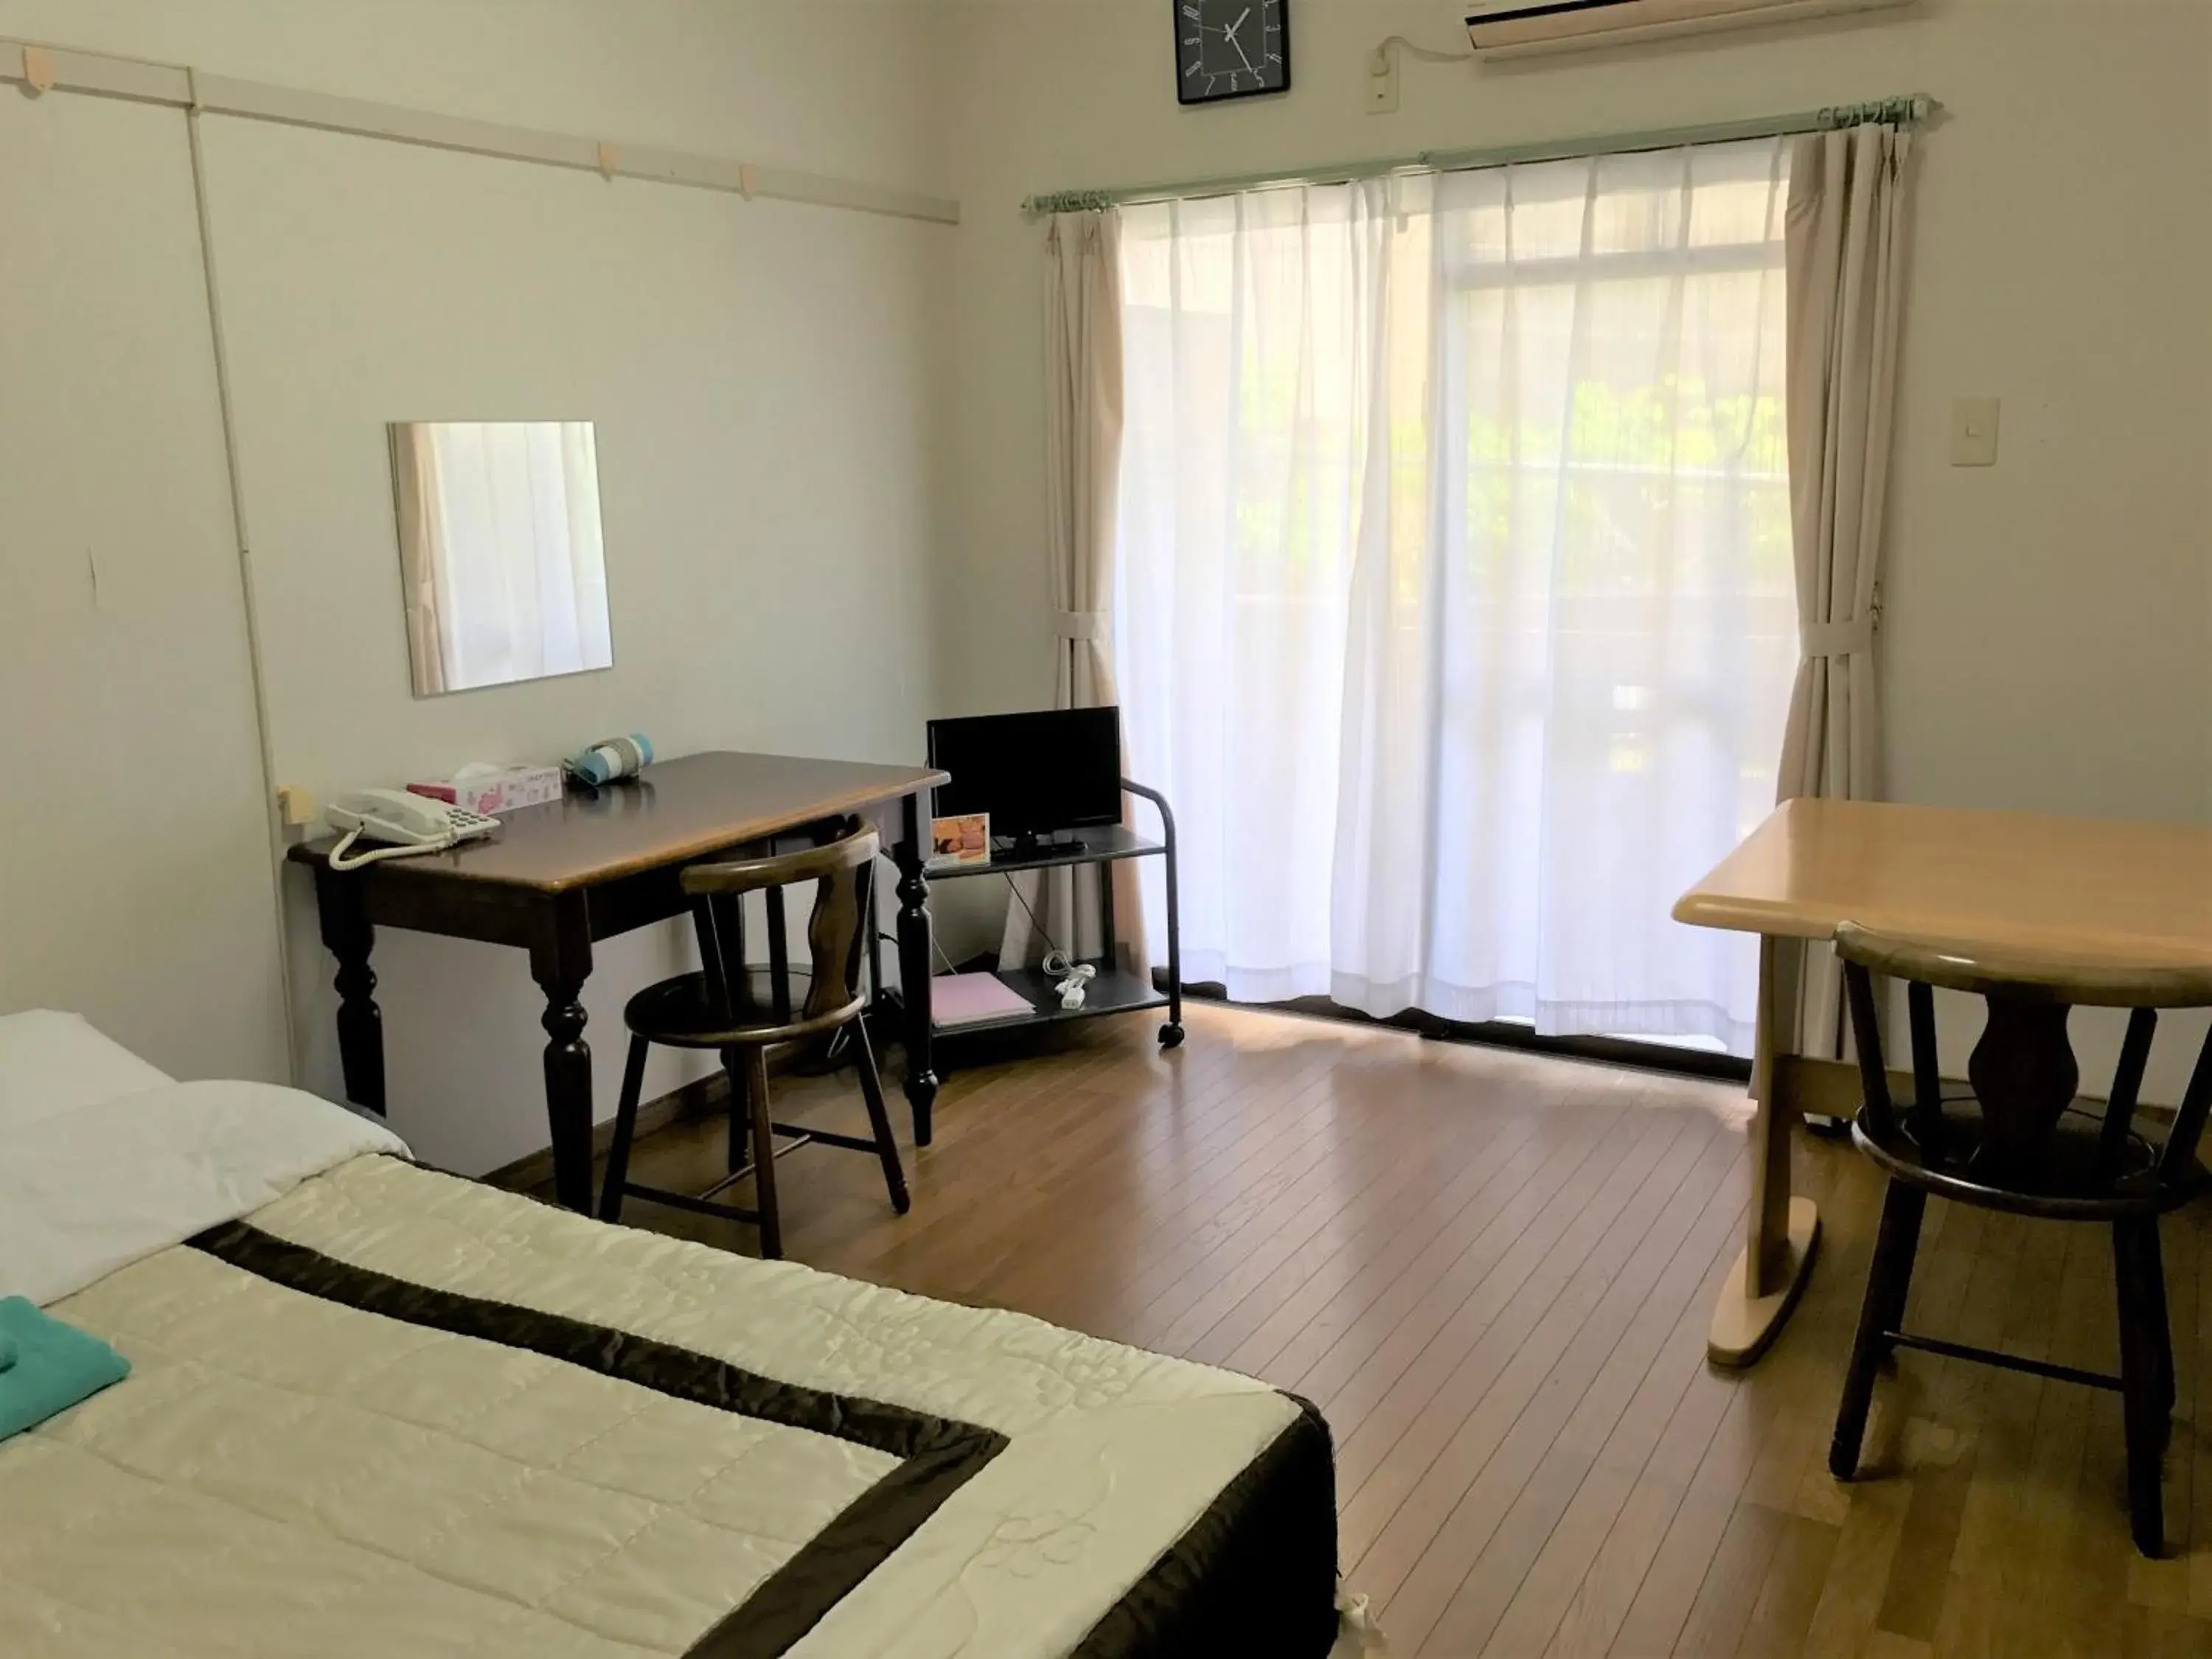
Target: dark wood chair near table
{"type": "Point", "coordinates": [2016, 1140]}
{"type": "Point", "coordinates": [741, 1012]}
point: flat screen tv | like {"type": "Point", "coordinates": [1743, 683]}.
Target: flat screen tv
{"type": "Point", "coordinates": [1034, 774]}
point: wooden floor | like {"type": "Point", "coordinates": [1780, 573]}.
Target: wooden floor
{"type": "Point", "coordinates": [1492, 1271]}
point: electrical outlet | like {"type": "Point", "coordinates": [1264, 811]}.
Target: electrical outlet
{"type": "Point", "coordinates": [1382, 82]}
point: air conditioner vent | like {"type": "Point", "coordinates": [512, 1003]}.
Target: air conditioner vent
{"type": "Point", "coordinates": [1512, 29]}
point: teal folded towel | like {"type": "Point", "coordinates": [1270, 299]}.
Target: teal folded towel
{"type": "Point", "coordinates": [54, 1366]}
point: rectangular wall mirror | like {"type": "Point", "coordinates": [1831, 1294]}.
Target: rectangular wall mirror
{"type": "Point", "coordinates": [501, 564]}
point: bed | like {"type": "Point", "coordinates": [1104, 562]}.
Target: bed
{"type": "Point", "coordinates": [378, 1410]}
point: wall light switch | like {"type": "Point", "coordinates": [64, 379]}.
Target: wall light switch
{"type": "Point", "coordinates": [1974, 432]}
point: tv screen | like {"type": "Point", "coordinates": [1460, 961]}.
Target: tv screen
{"type": "Point", "coordinates": [1034, 774]}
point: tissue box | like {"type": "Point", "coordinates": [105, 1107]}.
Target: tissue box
{"type": "Point", "coordinates": [496, 790]}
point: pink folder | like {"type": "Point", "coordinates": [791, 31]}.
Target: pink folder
{"type": "Point", "coordinates": [971, 998]}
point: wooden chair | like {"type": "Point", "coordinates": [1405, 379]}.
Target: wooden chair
{"type": "Point", "coordinates": [740, 1012]}
{"type": "Point", "coordinates": [2016, 1140]}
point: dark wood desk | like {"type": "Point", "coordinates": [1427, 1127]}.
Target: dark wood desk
{"type": "Point", "coordinates": [556, 878]}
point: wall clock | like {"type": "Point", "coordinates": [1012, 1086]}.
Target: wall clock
{"type": "Point", "coordinates": [1230, 49]}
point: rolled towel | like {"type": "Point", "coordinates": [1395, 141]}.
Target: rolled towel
{"type": "Point", "coordinates": [56, 1366]}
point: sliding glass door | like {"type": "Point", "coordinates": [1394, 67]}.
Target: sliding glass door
{"type": "Point", "coordinates": [1454, 607]}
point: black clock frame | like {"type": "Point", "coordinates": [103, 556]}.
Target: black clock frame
{"type": "Point", "coordinates": [1189, 100]}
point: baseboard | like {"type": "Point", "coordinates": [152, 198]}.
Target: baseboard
{"type": "Point", "coordinates": [706, 1097]}
{"type": "Point", "coordinates": [1832, 1088]}
{"type": "Point", "coordinates": [1496, 1034]}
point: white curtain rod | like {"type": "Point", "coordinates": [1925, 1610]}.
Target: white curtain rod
{"type": "Point", "coordinates": [103, 75]}
{"type": "Point", "coordinates": [1911, 110]}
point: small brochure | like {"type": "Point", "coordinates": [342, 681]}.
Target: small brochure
{"type": "Point", "coordinates": [963, 839]}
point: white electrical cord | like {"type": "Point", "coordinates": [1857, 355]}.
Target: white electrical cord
{"type": "Point", "coordinates": [249, 597]}
{"type": "Point", "coordinates": [1380, 59]}
{"type": "Point", "coordinates": [1073, 977]}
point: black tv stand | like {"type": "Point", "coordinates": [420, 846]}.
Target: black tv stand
{"type": "Point", "coordinates": [1114, 990]}
{"type": "Point", "coordinates": [1031, 843]}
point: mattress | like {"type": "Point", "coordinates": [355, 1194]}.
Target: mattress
{"type": "Point", "coordinates": [386, 1410]}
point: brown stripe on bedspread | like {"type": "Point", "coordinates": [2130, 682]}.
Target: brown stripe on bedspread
{"type": "Point", "coordinates": [939, 1455]}
{"type": "Point", "coordinates": [791, 1601]}
{"type": "Point", "coordinates": [1256, 1573]}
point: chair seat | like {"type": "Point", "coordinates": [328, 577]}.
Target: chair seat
{"type": "Point", "coordinates": [681, 1014]}
{"type": "Point", "coordinates": [2066, 1185]}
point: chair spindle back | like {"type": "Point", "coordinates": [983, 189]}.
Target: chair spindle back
{"type": "Point", "coordinates": [836, 927]}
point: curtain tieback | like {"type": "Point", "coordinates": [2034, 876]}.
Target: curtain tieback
{"type": "Point", "coordinates": [1080, 624]}
{"type": "Point", "coordinates": [1836, 639]}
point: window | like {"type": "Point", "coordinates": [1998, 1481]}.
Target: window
{"type": "Point", "coordinates": [1455, 600]}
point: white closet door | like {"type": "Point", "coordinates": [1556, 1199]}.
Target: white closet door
{"type": "Point", "coordinates": [134, 856]}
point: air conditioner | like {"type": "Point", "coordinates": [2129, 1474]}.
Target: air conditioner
{"type": "Point", "coordinates": [1514, 28]}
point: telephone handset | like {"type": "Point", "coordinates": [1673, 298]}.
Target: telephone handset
{"type": "Point", "coordinates": [407, 823]}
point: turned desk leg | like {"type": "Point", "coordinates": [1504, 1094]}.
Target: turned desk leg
{"type": "Point", "coordinates": [560, 964]}
{"type": "Point", "coordinates": [1783, 1230]}
{"type": "Point", "coordinates": [914, 965]}
{"type": "Point", "coordinates": [349, 936]}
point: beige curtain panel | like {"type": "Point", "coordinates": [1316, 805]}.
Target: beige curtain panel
{"type": "Point", "coordinates": [1083, 447]}
{"type": "Point", "coordinates": [1846, 234]}
{"type": "Point", "coordinates": [1083, 469]}
{"type": "Point", "coordinates": [422, 546]}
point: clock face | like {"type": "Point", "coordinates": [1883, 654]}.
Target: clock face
{"type": "Point", "coordinates": [1231, 48]}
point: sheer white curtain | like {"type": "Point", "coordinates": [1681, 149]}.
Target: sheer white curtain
{"type": "Point", "coordinates": [1454, 594]}
{"type": "Point", "coordinates": [515, 554]}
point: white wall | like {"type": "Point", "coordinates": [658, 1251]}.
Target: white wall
{"type": "Point", "coordinates": [134, 854]}
{"type": "Point", "coordinates": [2047, 621]}
{"type": "Point", "coordinates": [759, 374]}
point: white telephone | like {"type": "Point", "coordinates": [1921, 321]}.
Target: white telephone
{"type": "Point", "coordinates": [408, 822]}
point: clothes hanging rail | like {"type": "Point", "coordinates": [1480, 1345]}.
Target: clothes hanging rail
{"type": "Point", "coordinates": [1911, 109]}
{"type": "Point", "coordinates": [60, 69]}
